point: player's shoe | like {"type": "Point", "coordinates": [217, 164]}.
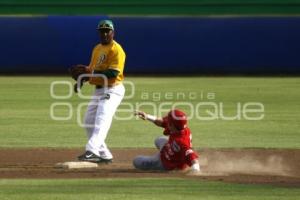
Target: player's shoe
{"type": "Point", "coordinates": [91, 157]}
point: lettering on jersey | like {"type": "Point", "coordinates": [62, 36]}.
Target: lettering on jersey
{"type": "Point", "coordinates": [175, 147]}
{"type": "Point", "coordinates": [101, 58]}
{"type": "Point", "coordinates": [168, 149]}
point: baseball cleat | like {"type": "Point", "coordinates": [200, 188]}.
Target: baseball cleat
{"type": "Point", "coordinates": [90, 157]}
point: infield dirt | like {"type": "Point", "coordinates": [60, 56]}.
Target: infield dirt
{"type": "Point", "coordinates": [264, 166]}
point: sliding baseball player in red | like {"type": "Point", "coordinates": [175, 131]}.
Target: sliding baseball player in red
{"type": "Point", "coordinates": [175, 148]}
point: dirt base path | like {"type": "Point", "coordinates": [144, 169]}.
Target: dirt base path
{"type": "Point", "coordinates": [265, 166]}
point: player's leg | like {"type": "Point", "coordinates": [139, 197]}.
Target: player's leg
{"type": "Point", "coordinates": [90, 115]}
{"type": "Point", "coordinates": [103, 119]}
{"type": "Point", "coordinates": [160, 142]}
{"type": "Point", "coordinates": [89, 124]}
{"type": "Point", "coordinates": [148, 162]}
{"type": "Point", "coordinates": [106, 109]}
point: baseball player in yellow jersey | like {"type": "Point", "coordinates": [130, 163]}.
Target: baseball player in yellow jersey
{"type": "Point", "coordinates": [108, 59]}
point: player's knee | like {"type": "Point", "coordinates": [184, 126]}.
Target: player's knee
{"type": "Point", "coordinates": [160, 142]}
{"type": "Point", "coordinates": [156, 142]}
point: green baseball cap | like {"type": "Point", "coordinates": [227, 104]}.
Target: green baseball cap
{"type": "Point", "coordinates": [105, 24]}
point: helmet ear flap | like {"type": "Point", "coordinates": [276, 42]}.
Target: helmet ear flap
{"type": "Point", "coordinates": [178, 119]}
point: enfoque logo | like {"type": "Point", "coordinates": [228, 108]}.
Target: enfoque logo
{"type": "Point", "coordinates": [198, 105]}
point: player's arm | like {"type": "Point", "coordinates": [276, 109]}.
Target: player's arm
{"type": "Point", "coordinates": [157, 121]}
{"type": "Point", "coordinates": [192, 160]}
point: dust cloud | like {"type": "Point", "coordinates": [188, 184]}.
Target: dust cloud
{"type": "Point", "coordinates": [254, 162]}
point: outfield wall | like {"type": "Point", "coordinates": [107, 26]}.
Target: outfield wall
{"type": "Point", "coordinates": [186, 45]}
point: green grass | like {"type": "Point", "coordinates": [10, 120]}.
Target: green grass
{"type": "Point", "coordinates": [25, 122]}
{"type": "Point", "coordinates": [25, 112]}
{"type": "Point", "coordinates": [131, 189]}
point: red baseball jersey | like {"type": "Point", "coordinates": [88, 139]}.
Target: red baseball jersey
{"type": "Point", "coordinates": [177, 153]}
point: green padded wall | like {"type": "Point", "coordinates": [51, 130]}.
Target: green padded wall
{"type": "Point", "coordinates": [151, 7]}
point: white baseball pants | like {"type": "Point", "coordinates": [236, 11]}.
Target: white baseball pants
{"type": "Point", "coordinates": [98, 118]}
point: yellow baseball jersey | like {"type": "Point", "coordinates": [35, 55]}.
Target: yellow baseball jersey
{"type": "Point", "coordinates": [105, 57]}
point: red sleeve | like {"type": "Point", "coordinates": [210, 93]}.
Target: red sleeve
{"type": "Point", "coordinates": [187, 153]}
{"type": "Point", "coordinates": [190, 155]}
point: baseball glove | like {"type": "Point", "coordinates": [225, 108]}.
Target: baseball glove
{"type": "Point", "coordinates": [77, 70]}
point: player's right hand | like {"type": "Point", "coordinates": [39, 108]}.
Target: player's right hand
{"type": "Point", "coordinates": [140, 114]}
